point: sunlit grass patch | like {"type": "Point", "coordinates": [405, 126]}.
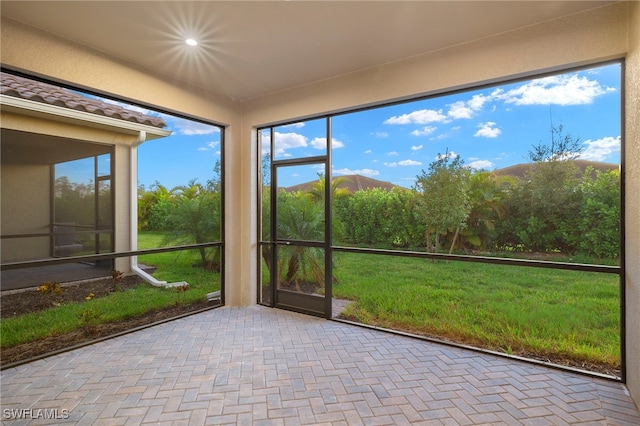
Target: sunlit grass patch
{"type": "Point", "coordinates": [519, 310]}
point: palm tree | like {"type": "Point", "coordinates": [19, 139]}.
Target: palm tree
{"type": "Point", "coordinates": [487, 195]}
{"type": "Point", "coordinates": [316, 193]}
{"type": "Point", "coordinates": [147, 199]}
{"type": "Point", "coordinates": [196, 219]}
{"type": "Point", "coordinates": [302, 219]}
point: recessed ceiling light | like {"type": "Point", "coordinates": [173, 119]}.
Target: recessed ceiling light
{"type": "Point", "coordinates": [191, 42]}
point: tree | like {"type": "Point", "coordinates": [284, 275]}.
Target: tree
{"type": "Point", "coordinates": [300, 218]}
{"type": "Point", "coordinates": [153, 206]}
{"type": "Point", "coordinates": [488, 194]}
{"type": "Point", "coordinates": [561, 147]}
{"type": "Point", "coordinates": [545, 205]}
{"type": "Point", "coordinates": [379, 218]}
{"type": "Point", "coordinates": [196, 219]}
{"type": "Point", "coordinates": [317, 190]}
{"type": "Point", "coordinates": [444, 205]}
{"type": "Point", "coordinates": [599, 217]}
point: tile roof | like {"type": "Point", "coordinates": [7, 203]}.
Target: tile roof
{"type": "Point", "coordinates": [24, 88]}
{"type": "Point", "coordinates": [351, 183]}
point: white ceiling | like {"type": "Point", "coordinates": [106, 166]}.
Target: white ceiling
{"type": "Point", "coordinates": [248, 49]}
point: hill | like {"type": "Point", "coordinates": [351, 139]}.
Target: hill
{"type": "Point", "coordinates": [519, 170]}
{"type": "Point", "coordinates": [351, 183]}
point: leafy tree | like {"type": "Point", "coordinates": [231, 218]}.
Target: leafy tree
{"type": "Point", "coordinates": [380, 218]}
{"type": "Point", "coordinates": [560, 148]}
{"type": "Point", "coordinates": [545, 205]}
{"type": "Point", "coordinates": [148, 199]}
{"type": "Point", "coordinates": [488, 194]}
{"type": "Point", "coordinates": [444, 203]}
{"type": "Point", "coordinates": [215, 183]}
{"type": "Point", "coordinates": [300, 218]}
{"type": "Point", "coordinates": [196, 219]}
{"type": "Point", "coordinates": [317, 191]}
{"type": "Point", "coordinates": [599, 217]}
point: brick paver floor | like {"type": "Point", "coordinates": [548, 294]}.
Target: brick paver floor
{"type": "Point", "coordinates": [262, 366]}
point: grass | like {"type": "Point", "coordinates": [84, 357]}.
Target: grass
{"type": "Point", "coordinates": [118, 306]}
{"type": "Point", "coordinates": [177, 266]}
{"type": "Point", "coordinates": [517, 310]}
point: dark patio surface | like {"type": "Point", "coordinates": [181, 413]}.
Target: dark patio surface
{"type": "Point", "coordinates": [69, 272]}
{"type": "Point", "coordinates": [262, 366]}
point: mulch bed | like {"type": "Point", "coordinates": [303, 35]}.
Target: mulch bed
{"type": "Point", "coordinates": [31, 300]}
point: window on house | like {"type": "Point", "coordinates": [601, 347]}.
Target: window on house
{"type": "Point", "coordinates": [83, 206]}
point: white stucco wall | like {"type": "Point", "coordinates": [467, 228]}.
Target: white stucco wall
{"type": "Point", "coordinates": [632, 199]}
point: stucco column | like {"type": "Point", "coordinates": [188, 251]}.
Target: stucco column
{"type": "Point", "coordinates": [632, 203]}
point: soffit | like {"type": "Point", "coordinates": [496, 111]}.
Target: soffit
{"type": "Point", "coordinates": [249, 49]}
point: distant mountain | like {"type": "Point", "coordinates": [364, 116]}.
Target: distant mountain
{"type": "Point", "coordinates": [351, 183]}
{"type": "Point", "coordinates": [519, 170]}
{"type": "Point", "coordinates": [355, 183]}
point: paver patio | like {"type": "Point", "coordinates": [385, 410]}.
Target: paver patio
{"type": "Point", "coordinates": [262, 366]}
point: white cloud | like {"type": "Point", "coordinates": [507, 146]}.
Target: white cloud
{"type": "Point", "coordinates": [190, 128]}
{"type": "Point", "coordinates": [321, 143]}
{"type": "Point", "coordinates": [285, 141]}
{"type": "Point", "coordinates": [209, 145]}
{"type": "Point", "coordinates": [425, 131]}
{"type": "Point", "coordinates": [294, 125]}
{"type": "Point", "coordinates": [487, 130]}
{"type": "Point", "coordinates": [423, 116]}
{"type": "Point", "coordinates": [392, 153]}
{"type": "Point", "coordinates": [416, 148]}
{"type": "Point", "coordinates": [600, 149]}
{"type": "Point", "coordinates": [477, 101]}
{"type": "Point", "coordinates": [380, 134]}
{"type": "Point", "coordinates": [403, 163]}
{"type": "Point", "coordinates": [368, 151]}
{"type": "Point", "coordinates": [459, 110]}
{"type": "Point", "coordinates": [555, 90]}
{"type": "Point", "coordinates": [450, 154]}
{"type": "Point", "coordinates": [361, 172]}
{"type": "Point", "coordinates": [480, 164]}
{"type": "Point", "coordinates": [335, 143]}
{"type": "Point", "coordinates": [467, 109]}
{"type": "Point", "coordinates": [409, 163]}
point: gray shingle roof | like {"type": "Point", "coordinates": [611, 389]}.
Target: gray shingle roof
{"type": "Point", "coordinates": [24, 88]}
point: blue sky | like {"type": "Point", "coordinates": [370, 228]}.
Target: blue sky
{"type": "Point", "coordinates": [190, 152]}
{"type": "Point", "coordinates": [489, 128]}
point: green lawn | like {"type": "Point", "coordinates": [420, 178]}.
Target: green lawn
{"type": "Point", "coordinates": [518, 310]}
{"type": "Point", "coordinates": [172, 267]}
{"type": "Point", "coordinates": [177, 266]}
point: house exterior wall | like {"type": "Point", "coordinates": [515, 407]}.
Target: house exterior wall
{"type": "Point", "coordinates": [25, 215]}
{"type": "Point", "coordinates": [41, 125]}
